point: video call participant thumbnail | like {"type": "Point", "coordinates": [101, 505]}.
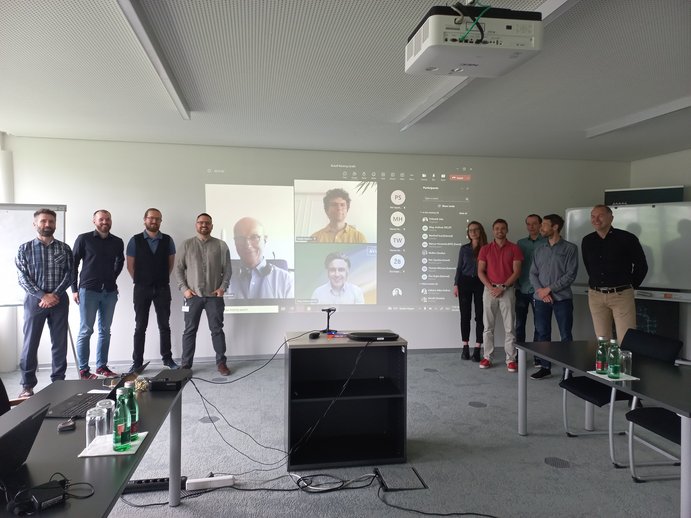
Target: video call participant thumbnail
{"type": "Point", "coordinates": [338, 290]}
{"type": "Point", "coordinates": [336, 207]}
{"type": "Point", "coordinates": [257, 278]}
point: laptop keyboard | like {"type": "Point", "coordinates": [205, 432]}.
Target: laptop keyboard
{"type": "Point", "coordinates": [78, 406]}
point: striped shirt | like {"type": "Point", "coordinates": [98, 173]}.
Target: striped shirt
{"type": "Point", "coordinates": [44, 268]}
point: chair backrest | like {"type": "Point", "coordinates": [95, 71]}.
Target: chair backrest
{"type": "Point", "coordinates": [4, 400]}
{"type": "Point", "coordinates": [651, 345]}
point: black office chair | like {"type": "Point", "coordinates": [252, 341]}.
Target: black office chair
{"type": "Point", "coordinates": [4, 399]}
{"type": "Point", "coordinates": [639, 343]}
{"type": "Point", "coordinates": [660, 421]}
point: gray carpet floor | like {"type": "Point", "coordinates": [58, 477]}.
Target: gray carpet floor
{"type": "Point", "coordinates": [462, 440]}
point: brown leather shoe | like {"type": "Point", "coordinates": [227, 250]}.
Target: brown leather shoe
{"type": "Point", "coordinates": [223, 369]}
{"type": "Point", "coordinates": [27, 392]}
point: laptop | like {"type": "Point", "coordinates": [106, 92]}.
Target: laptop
{"type": "Point", "coordinates": [76, 406]}
{"type": "Point", "coordinates": [17, 442]}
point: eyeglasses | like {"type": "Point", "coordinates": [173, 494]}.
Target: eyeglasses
{"type": "Point", "coordinates": [473, 229]}
{"type": "Point", "coordinates": [254, 239]}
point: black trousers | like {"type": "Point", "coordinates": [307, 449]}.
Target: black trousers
{"type": "Point", "coordinates": [143, 297]}
{"type": "Point", "coordinates": [470, 291]}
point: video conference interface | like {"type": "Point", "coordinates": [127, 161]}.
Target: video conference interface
{"type": "Point", "coordinates": [358, 240]}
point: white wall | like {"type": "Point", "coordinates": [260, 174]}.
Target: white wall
{"type": "Point", "coordinates": [126, 178]}
{"type": "Point", "coordinates": [670, 169]}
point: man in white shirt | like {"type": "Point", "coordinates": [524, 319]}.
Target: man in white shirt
{"type": "Point", "coordinates": [338, 290]}
{"type": "Point", "coordinates": [257, 278]}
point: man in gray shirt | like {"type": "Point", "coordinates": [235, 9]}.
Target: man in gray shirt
{"type": "Point", "coordinates": [553, 271]}
{"type": "Point", "coordinates": [203, 272]}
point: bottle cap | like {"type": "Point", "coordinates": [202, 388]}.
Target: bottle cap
{"type": "Point", "coordinates": [129, 384]}
{"type": "Point", "coordinates": [122, 391]}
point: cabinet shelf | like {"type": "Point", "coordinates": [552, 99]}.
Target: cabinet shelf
{"type": "Point", "coordinates": [357, 388]}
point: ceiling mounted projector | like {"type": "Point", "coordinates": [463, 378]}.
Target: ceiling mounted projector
{"type": "Point", "coordinates": [473, 41]}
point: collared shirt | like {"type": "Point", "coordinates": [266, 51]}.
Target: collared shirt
{"type": "Point", "coordinates": [528, 247]}
{"type": "Point", "coordinates": [151, 241]}
{"type": "Point", "coordinates": [101, 260]}
{"type": "Point", "coordinates": [555, 267]}
{"type": "Point", "coordinates": [500, 260]}
{"type": "Point", "coordinates": [264, 281]}
{"type": "Point", "coordinates": [616, 260]}
{"type": "Point", "coordinates": [349, 294]}
{"type": "Point", "coordinates": [467, 263]}
{"type": "Point", "coordinates": [203, 266]}
{"type": "Point", "coordinates": [348, 234]}
{"type": "Point", "coordinates": [44, 268]}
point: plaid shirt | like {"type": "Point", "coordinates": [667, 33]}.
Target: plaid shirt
{"type": "Point", "coordinates": [44, 268]}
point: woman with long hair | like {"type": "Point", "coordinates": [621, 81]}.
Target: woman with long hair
{"type": "Point", "coordinates": [468, 288]}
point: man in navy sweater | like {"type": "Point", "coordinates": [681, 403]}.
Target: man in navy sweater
{"type": "Point", "coordinates": [101, 255]}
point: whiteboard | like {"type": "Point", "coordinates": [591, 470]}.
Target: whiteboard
{"type": "Point", "coordinates": [664, 230]}
{"type": "Point", "coordinates": [16, 227]}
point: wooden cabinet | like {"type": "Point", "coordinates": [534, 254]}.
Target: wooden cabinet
{"type": "Point", "coordinates": [345, 402]}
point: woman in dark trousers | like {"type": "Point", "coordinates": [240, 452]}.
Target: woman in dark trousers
{"type": "Point", "coordinates": [468, 288]}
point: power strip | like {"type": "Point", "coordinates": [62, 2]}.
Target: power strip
{"type": "Point", "coordinates": [151, 484]}
{"type": "Point", "coordinates": [210, 482]}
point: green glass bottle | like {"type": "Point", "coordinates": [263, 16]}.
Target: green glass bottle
{"type": "Point", "coordinates": [122, 421]}
{"type": "Point", "coordinates": [601, 356]}
{"type": "Point", "coordinates": [614, 360]}
{"type": "Point", "coordinates": [134, 411]}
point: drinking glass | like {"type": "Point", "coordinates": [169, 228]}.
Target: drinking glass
{"type": "Point", "coordinates": [96, 424]}
{"type": "Point", "coordinates": [626, 362]}
{"type": "Point", "coordinates": [109, 405]}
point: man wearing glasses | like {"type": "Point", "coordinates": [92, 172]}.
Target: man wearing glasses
{"type": "Point", "coordinates": [258, 279]}
{"type": "Point", "coordinates": [203, 272]}
{"type": "Point", "coordinates": [150, 259]}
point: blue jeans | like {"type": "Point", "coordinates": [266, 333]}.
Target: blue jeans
{"type": "Point", "coordinates": [563, 313]}
{"type": "Point", "coordinates": [523, 303]}
{"type": "Point", "coordinates": [91, 303]}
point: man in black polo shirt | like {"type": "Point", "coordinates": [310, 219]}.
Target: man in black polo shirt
{"type": "Point", "coordinates": [616, 265]}
{"type": "Point", "coordinates": [150, 259]}
{"type": "Point", "coordinates": [101, 256]}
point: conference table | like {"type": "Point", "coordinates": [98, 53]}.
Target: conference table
{"type": "Point", "coordinates": [660, 384]}
{"type": "Point", "coordinates": [55, 451]}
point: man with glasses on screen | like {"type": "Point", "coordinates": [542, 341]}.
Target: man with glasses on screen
{"type": "Point", "coordinates": [336, 207]}
{"type": "Point", "coordinates": [203, 271]}
{"type": "Point", "coordinates": [258, 279]}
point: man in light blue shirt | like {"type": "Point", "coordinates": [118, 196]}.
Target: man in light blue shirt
{"type": "Point", "coordinates": [554, 269]}
{"type": "Point", "coordinates": [338, 290]}
{"type": "Point", "coordinates": [257, 278]}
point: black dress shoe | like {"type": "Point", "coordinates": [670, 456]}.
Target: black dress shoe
{"type": "Point", "coordinates": [476, 354]}
{"type": "Point", "coordinates": [540, 374]}
{"type": "Point", "coordinates": [134, 368]}
{"type": "Point", "coordinates": [465, 353]}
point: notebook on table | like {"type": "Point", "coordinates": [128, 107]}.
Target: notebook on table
{"type": "Point", "coordinates": [16, 443]}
